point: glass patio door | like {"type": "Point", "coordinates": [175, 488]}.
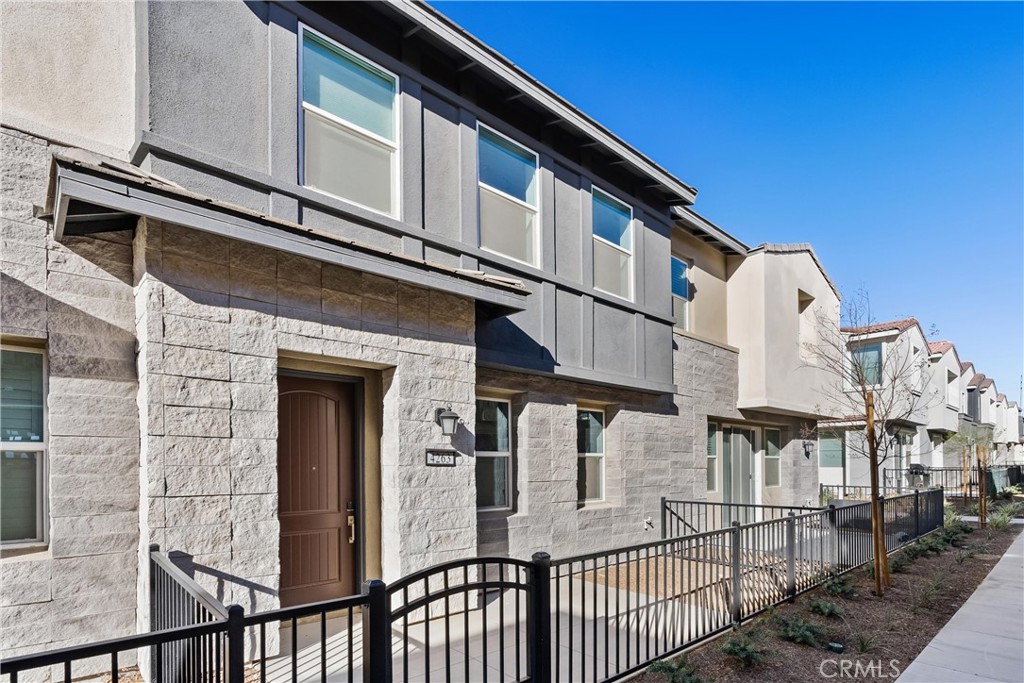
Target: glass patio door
{"type": "Point", "coordinates": [738, 474]}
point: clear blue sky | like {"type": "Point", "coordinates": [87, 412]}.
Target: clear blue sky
{"type": "Point", "coordinates": [889, 135]}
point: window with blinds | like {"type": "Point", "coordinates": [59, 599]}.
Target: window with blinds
{"type": "Point", "coordinates": [22, 444]}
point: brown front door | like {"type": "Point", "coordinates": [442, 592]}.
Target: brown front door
{"type": "Point", "coordinates": [316, 480]}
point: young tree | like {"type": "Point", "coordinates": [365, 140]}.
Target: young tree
{"type": "Point", "coordinates": [876, 390]}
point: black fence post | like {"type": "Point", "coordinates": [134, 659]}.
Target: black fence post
{"type": "Point", "coordinates": [376, 632]}
{"type": "Point", "coordinates": [917, 514]}
{"type": "Point", "coordinates": [236, 644]}
{"type": "Point", "coordinates": [154, 624]}
{"type": "Point", "coordinates": [791, 556]}
{"type": "Point", "coordinates": [664, 519]}
{"type": "Point", "coordinates": [737, 579]}
{"type": "Point", "coordinates": [538, 619]}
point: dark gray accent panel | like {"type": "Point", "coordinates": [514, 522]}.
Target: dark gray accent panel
{"type": "Point", "coordinates": [568, 327]}
{"type": "Point", "coordinates": [568, 225]}
{"type": "Point", "coordinates": [441, 166]}
{"type": "Point", "coordinates": [658, 342]}
{"type": "Point", "coordinates": [656, 269]}
{"type": "Point", "coordinates": [208, 77]}
{"type": "Point", "coordinates": [614, 340]}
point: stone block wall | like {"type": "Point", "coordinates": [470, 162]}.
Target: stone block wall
{"type": "Point", "coordinates": [648, 454]}
{"type": "Point", "coordinates": [75, 300]}
{"type": "Point", "coordinates": [214, 316]}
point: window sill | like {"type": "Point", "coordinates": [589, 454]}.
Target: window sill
{"type": "Point", "coordinates": [24, 551]}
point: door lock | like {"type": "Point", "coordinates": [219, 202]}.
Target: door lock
{"type": "Point", "coordinates": [351, 528]}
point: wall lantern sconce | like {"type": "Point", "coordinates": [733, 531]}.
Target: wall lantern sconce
{"type": "Point", "coordinates": [808, 449]}
{"type": "Point", "coordinates": [448, 419]}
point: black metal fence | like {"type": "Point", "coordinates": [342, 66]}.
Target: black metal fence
{"type": "Point", "coordinates": [682, 517]}
{"type": "Point", "coordinates": [593, 617]}
{"type": "Point", "coordinates": [176, 601]}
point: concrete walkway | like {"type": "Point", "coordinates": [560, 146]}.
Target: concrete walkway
{"type": "Point", "coordinates": [984, 641]}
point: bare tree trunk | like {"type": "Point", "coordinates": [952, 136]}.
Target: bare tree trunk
{"type": "Point", "coordinates": [877, 534]}
{"type": "Point", "coordinates": [982, 458]}
{"type": "Point", "coordinates": [965, 472]}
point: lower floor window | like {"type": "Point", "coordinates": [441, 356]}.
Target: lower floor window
{"type": "Point", "coordinates": [493, 454]}
{"type": "Point", "coordinates": [712, 457]}
{"type": "Point", "coordinates": [772, 457]}
{"type": "Point", "coordinates": [590, 452]}
{"type": "Point", "coordinates": [22, 445]}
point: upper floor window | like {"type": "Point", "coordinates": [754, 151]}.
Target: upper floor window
{"type": "Point", "coordinates": [866, 367]}
{"type": "Point", "coordinates": [973, 404]}
{"type": "Point", "coordinates": [590, 451]}
{"type": "Point", "coordinates": [681, 292]}
{"type": "Point", "coordinates": [22, 445]}
{"type": "Point", "coordinates": [952, 389]}
{"type": "Point", "coordinates": [349, 125]}
{"type": "Point", "coordinates": [508, 197]}
{"type": "Point", "coordinates": [613, 245]}
{"type": "Point", "coordinates": [493, 454]}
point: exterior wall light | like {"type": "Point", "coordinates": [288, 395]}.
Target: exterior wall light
{"type": "Point", "coordinates": [808, 449]}
{"type": "Point", "coordinates": [448, 419]}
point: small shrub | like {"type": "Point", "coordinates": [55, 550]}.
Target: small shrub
{"type": "Point", "coordinates": [1001, 519]}
{"type": "Point", "coordinates": [840, 586]}
{"type": "Point", "coordinates": [743, 649]}
{"type": "Point", "coordinates": [679, 671]}
{"type": "Point", "coordinates": [899, 564]}
{"type": "Point", "coordinates": [914, 551]}
{"type": "Point", "coordinates": [825, 608]}
{"type": "Point", "coordinates": [863, 642]}
{"type": "Point", "coordinates": [932, 544]}
{"type": "Point", "coordinates": [964, 554]}
{"type": "Point", "coordinates": [800, 631]}
{"type": "Point", "coordinates": [926, 594]}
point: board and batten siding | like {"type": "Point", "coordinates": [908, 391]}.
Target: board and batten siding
{"type": "Point", "coordinates": [200, 137]}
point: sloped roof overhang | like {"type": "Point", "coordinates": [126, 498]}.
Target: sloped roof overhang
{"type": "Point", "coordinates": [88, 194]}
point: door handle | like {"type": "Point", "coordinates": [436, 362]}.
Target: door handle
{"type": "Point", "coordinates": [352, 529]}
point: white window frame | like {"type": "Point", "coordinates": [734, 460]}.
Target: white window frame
{"type": "Point", "coordinates": [594, 189]}
{"type": "Point", "coordinates": [43, 462]}
{"type": "Point", "coordinates": [777, 457]}
{"type": "Point", "coordinates": [685, 326]}
{"type": "Point", "coordinates": [506, 455]}
{"type": "Point", "coordinates": [481, 186]}
{"type": "Point", "coordinates": [395, 146]}
{"type": "Point", "coordinates": [715, 457]}
{"type": "Point", "coordinates": [598, 456]}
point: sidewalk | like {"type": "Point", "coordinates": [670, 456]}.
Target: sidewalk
{"type": "Point", "coordinates": [984, 641]}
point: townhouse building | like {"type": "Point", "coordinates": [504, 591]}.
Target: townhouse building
{"type": "Point", "coordinates": [892, 359]}
{"type": "Point", "coordinates": [314, 293]}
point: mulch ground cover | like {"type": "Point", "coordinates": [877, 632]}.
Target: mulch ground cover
{"type": "Point", "coordinates": [885, 633]}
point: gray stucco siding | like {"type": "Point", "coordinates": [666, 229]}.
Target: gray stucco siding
{"type": "Point", "coordinates": [253, 159]}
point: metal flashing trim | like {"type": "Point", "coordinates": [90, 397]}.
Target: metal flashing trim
{"type": "Point", "coordinates": [77, 179]}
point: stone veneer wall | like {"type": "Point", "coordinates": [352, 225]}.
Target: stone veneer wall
{"type": "Point", "coordinates": [655, 446]}
{"type": "Point", "coordinates": [75, 299]}
{"type": "Point", "coordinates": [214, 315]}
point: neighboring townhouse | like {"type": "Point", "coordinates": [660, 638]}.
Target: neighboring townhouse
{"type": "Point", "coordinates": [335, 292]}
{"type": "Point", "coordinates": [893, 359]}
{"type": "Point", "coordinates": [755, 317]}
{"type": "Point", "coordinates": [1006, 435]}
{"type": "Point", "coordinates": [943, 392]}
